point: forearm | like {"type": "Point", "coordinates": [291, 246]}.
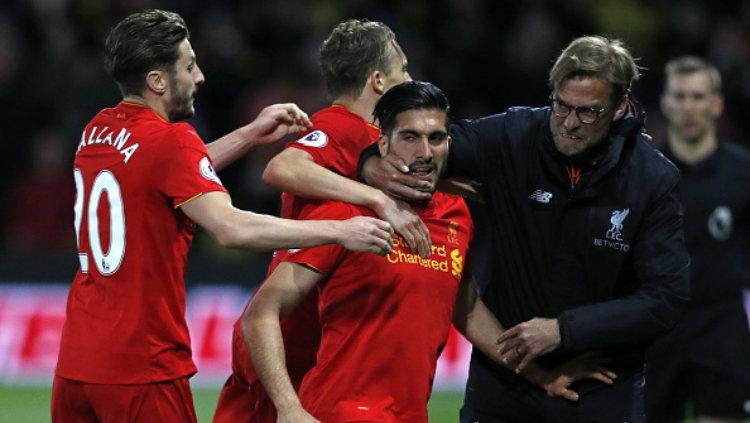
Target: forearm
{"type": "Point", "coordinates": [480, 327]}
{"type": "Point", "coordinates": [295, 171]}
{"type": "Point", "coordinates": [263, 339]}
{"type": "Point", "coordinates": [261, 232]}
{"type": "Point", "coordinates": [225, 150]}
{"type": "Point", "coordinates": [635, 319]}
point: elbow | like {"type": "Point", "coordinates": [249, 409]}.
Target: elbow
{"type": "Point", "coordinates": [275, 174]}
{"type": "Point", "coordinates": [226, 235]}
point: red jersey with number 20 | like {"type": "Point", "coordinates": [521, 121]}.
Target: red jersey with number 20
{"type": "Point", "coordinates": [384, 319]}
{"type": "Point", "coordinates": [125, 317]}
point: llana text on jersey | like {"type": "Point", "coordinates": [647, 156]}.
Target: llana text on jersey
{"type": "Point", "coordinates": [97, 136]}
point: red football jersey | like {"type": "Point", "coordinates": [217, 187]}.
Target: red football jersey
{"type": "Point", "coordinates": [335, 142]}
{"type": "Point", "coordinates": [125, 317]}
{"type": "Point", "coordinates": [384, 319]}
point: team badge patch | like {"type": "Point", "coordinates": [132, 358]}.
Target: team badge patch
{"type": "Point", "coordinates": [207, 171]}
{"type": "Point", "coordinates": [314, 139]}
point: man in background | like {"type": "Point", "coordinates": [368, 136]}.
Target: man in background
{"type": "Point", "coordinates": [705, 360]}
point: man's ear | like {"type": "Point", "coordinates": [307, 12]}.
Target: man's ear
{"type": "Point", "coordinates": [156, 82]}
{"type": "Point", "coordinates": [383, 145]}
{"type": "Point", "coordinates": [376, 82]}
{"type": "Point", "coordinates": [621, 108]}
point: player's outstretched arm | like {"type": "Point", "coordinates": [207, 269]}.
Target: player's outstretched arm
{"type": "Point", "coordinates": [273, 123]}
{"type": "Point", "coordinates": [235, 228]}
{"type": "Point", "coordinates": [261, 330]}
{"type": "Point", "coordinates": [294, 171]}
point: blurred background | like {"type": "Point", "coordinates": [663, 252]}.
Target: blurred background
{"type": "Point", "coordinates": [487, 55]}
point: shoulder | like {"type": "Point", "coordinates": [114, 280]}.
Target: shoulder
{"type": "Point", "coordinates": [648, 159]}
{"type": "Point", "coordinates": [514, 120]}
{"type": "Point", "coordinates": [183, 135]}
{"type": "Point", "coordinates": [337, 122]}
{"type": "Point", "coordinates": [735, 153]}
{"type": "Point", "coordinates": [647, 169]}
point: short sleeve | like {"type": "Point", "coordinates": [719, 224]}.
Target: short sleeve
{"type": "Point", "coordinates": [336, 144]}
{"type": "Point", "coordinates": [325, 258]}
{"type": "Point", "coordinates": [189, 172]}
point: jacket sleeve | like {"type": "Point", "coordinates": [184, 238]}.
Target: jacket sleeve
{"type": "Point", "coordinates": [661, 266]}
{"type": "Point", "coordinates": [475, 141]}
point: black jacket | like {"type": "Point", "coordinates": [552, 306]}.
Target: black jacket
{"type": "Point", "coordinates": [606, 257]}
{"type": "Point", "coordinates": [716, 195]}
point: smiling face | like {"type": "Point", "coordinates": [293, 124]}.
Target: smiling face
{"type": "Point", "coordinates": [184, 80]}
{"type": "Point", "coordinates": [691, 106]}
{"type": "Point", "coordinates": [571, 136]}
{"type": "Point", "coordinates": [420, 139]}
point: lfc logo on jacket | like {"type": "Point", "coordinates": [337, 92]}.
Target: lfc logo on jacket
{"type": "Point", "coordinates": [613, 238]}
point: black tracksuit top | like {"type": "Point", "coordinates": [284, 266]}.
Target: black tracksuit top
{"type": "Point", "coordinates": [606, 257]}
{"type": "Point", "coordinates": [716, 195]}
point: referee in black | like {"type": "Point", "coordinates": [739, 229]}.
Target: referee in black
{"type": "Point", "coordinates": [705, 360]}
{"type": "Point", "coordinates": [580, 247]}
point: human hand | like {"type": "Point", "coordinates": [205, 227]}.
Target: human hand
{"type": "Point", "coordinates": [528, 340]}
{"type": "Point", "coordinates": [556, 382]}
{"type": "Point", "coordinates": [407, 224]}
{"type": "Point", "coordinates": [295, 415]}
{"type": "Point", "coordinates": [390, 174]}
{"type": "Point", "coordinates": [364, 233]}
{"type": "Point", "coordinates": [276, 121]}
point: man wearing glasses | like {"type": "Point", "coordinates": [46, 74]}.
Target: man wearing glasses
{"type": "Point", "coordinates": [579, 245]}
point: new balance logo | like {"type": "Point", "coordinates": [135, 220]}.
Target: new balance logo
{"type": "Point", "coordinates": [541, 196]}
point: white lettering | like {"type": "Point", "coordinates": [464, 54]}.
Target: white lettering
{"type": "Point", "coordinates": [99, 137]}
{"type": "Point", "coordinates": [129, 151]}
{"type": "Point", "coordinates": [83, 141]}
{"type": "Point", "coordinates": [619, 246]}
{"type": "Point", "coordinates": [121, 139]}
{"type": "Point", "coordinates": [91, 136]}
{"type": "Point", "coordinates": [108, 139]}
{"type": "Point", "coordinates": [119, 142]}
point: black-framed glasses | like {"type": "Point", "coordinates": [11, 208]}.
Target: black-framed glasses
{"type": "Point", "coordinates": [586, 115]}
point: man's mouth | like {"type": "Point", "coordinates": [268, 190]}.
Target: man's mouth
{"type": "Point", "coordinates": [422, 171]}
{"type": "Point", "coordinates": [570, 136]}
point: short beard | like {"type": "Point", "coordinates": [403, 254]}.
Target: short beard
{"type": "Point", "coordinates": [182, 109]}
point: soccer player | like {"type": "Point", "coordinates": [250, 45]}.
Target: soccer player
{"type": "Point", "coordinates": [143, 181]}
{"type": "Point", "coordinates": [384, 319]}
{"type": "Point", "coordinates": [705, 360]}
{"type": "Point", "coordinates": [584, 248]}
{"type": "Point", "coordinates": [360, 61]}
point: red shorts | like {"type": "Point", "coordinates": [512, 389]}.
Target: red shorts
{"type": "Point", "coordinates": [243, 403]}
{"type": "Point", "coordinates": [81, 402]}
{"type": "Point", "coordinates": [243, 399]}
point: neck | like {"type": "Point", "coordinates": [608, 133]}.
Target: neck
{"type": "Point", "coordinates": [152, 103]}
{"type": "Point", "coordinates": [692, 152]}
{"type": "Point", "coordinates": [361, 106]}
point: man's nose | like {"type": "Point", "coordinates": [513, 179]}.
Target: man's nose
{"type": "Point", "coordinates": [199, 77]}
{"type": "Point", "coordinates": [571, 121]}
{"type": "Point", "coordinates": [423, 149]}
